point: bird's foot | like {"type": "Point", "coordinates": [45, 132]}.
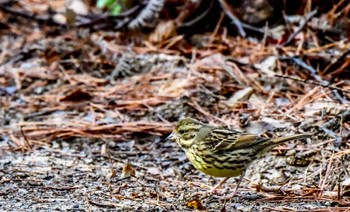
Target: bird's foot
{"type": "Point", "coordinates": [212, 191]}
{"type": "Point", "coordinates": [230, 196]}
{"type": "Point", "coordinates": [215, 190]}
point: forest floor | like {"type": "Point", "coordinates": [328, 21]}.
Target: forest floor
{"type": "Point", "coordinates": [84, 114]}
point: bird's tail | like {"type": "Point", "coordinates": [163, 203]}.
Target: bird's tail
{"type": "Point", "coordinates": [289, 138]}
{"type": "Point", "coordinates": [274, 142]}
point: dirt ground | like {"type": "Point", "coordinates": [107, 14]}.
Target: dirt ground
{"type": "Point", "coordinates": [85, 106]}
{"type": "Point", "coordinates": [75, 176]}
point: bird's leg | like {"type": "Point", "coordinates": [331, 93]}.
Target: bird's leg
{"type": "Point", "coordinates": [213, 190]}
{"type": "Point", "coordinates": [236, 189]}
{"type": "Point", "coordinates": [239, 182]}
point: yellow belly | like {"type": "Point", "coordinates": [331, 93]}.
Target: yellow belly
{"type": "Point", "coordinates": [213, 168]}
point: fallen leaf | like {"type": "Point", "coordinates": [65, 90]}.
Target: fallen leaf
{"type": "Point", "coordinates": [128, 170]}
{"type": "Point", "coordinates": [164, 30]}
{"type": "Point", "coordinates": [195, 204]}
{"type": "Point", "coordinates": [276, 123]}
{"type": "Point", "coordinates": [104, 149]}
{"type": "Point", "coordinates": [153, 171]}
{"type": "Point", "coordinates": [111, 173]}
{"type": "Point", "coordinates": [268, 66]}
{"type": "Point", "coordinates": [240, 96]}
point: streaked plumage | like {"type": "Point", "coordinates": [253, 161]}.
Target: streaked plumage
{"type": "Point", "coordinates": [222, 152]}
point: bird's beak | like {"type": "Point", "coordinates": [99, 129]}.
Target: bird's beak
{"type": "Point", "coordinates": [172, 136]}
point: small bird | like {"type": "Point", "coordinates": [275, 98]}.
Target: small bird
{"type": "Point", "coordinates": [221, 152]}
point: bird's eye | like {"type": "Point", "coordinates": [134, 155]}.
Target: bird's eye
{"type": "Point", "coordinates": [181, 131]}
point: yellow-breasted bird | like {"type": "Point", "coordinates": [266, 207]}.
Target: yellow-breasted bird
{"type": "Point", "coordinates": [221, 152]}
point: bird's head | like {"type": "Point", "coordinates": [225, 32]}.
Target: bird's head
{"type": "Point", "coordinates": [186, 132]}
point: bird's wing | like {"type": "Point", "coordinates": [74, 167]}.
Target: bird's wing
{"type": "Point", "coordinates": [228, 140]}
